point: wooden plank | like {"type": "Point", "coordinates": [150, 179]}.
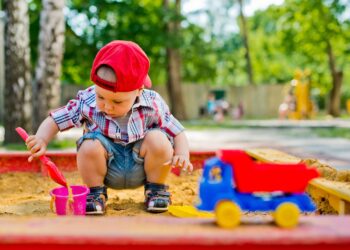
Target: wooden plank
{"type": "Point", "coordinates": [272, 155]}
{"type": "Point", "coordinates": [333, 187]}
{"type": "Point", "coordinates": [333, 192]}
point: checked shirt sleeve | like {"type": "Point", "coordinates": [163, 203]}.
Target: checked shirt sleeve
{"type": "Point", "coordinates": [168, 123]}
{"type": "Point", "coordinates": [69, 115]}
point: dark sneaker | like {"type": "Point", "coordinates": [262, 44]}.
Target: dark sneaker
{"type": "Point", "coordinates": [157, 199]}
{"type": "Point", "coordinates": [96, 200]}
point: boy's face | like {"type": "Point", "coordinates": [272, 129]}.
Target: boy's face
{"type": "Point", "coordinates": [115, 104]}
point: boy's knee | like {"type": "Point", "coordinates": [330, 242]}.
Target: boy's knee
{"type": "Point", "coordinates": [156, 142]}
{"type": "Point", "coordinates": [91, 148]}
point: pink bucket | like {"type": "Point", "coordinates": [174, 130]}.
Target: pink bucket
{"type": "Point", "coordinates": [59, 196]}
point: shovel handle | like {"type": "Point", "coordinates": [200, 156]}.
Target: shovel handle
{"type": "Point", "coordinates": [22, 133]}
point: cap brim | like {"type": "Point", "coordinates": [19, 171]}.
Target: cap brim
{"type": "Point", "coordinates": [147, 83]}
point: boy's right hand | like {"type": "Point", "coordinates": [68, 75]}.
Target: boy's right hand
{"type": "Point", "coordinates": [36, 146]}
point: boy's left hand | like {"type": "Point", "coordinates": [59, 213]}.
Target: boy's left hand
{"type": "Point", "coordinates": [183, 162]}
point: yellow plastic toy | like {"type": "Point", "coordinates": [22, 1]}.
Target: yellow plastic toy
{"type": "Point", "coordinates": [189, 212]}
{"type": "Point", "coordinates": [302, 108]}
{"type": "Point", "coordinates": [228, 214]}
{"type": "Point", "coordinates": [287, 215]}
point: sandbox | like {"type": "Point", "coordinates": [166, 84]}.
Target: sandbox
{"type": "Point", "coordinates": [27, 194]}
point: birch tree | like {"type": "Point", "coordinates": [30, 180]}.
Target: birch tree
{"type": "Point", "coordinates": [46, 86]}
{"type": "Point", "coordinates": [17, 104]}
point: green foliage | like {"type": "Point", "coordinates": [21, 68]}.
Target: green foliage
{"type": "Point", "coordinates": [198, 56]}
{"type": "Point", "coordinates": [282, 39]}
{"type": "Point", "coordinates": [307, 29]}
{"type": "Point", "coordinates": [92, 24]}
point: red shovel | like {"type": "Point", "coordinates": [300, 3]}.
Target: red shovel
{"type": "Point", "coordinates": [54, 173]}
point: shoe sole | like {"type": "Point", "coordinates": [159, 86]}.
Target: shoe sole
{"type": "Point", "coordinates": [95, 213]}
{"type": "Point", "coordinates": [157, 210]}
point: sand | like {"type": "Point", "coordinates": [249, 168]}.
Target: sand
{"type": "Point", "coordinates": [329, 172]}
{"type": "Point", "coordinates": [27, 194]}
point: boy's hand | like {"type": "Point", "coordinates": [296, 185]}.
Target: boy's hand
{"type": "Point", "coordinates": [36, 146]}
{"type": "Point", "coordinates": [183, 162]}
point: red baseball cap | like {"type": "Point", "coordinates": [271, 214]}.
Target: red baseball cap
{"type": "Point", "coordinates": [129, 62]}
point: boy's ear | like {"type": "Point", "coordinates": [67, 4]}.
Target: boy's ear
{"type": "Point", "coordinates": [140, 91]}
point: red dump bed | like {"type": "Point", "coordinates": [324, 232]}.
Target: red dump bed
{"type": "Point", "coordinates": [251, 176]}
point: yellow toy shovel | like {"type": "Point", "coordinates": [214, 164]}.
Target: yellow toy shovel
{"type": "Point", "coordinates": [189, 212]}
{"type": "Point", "coordinates": [182, 211]}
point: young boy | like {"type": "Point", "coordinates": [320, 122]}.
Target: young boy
{"type": "Point", "coordinates": [130, 137]}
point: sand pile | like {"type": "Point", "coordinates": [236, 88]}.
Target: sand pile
{"type": "Point", "coordinates": [329, 172]}
{"type": "Point", "coordinates": [27, 194]}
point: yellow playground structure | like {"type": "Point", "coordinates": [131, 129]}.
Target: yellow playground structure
{"type": "Point", "coordinates": [297, 103]}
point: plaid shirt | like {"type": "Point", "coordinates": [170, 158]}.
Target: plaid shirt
{"type": "Point", "coordinates": [148, 112]}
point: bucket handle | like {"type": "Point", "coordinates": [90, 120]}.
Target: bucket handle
{"type": "Point", "coordinates": [52, 202]}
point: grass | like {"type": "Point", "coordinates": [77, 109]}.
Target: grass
{"type": "Point", "coordinates": [54, 145]}
{"type": "Point", "coordinates": [228, 124]}
{"type": "Point", "coordinates": [210, 124]}
{"type": "Point", "coordinates": [332, 132]}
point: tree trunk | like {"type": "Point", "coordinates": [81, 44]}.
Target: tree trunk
{"type": "Point", "coordinates": [17, 104]}
{"type": "Point", "coordinates": [174, 64]}
{"type": "Point", "coordinates": [47, 85]}
{"type": "Point", "coordinates": [337, 78]}
{"type": "Point", "coordinates": [244, 32]}
{"type": "Point", "coordinates": [2, 66]}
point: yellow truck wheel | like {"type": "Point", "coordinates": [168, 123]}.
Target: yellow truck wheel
{"type": "Point", "coordinates": [228, 214]}
{"type": "Point", "coordinates": [287, 215]}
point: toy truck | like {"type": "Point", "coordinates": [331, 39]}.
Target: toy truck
{"type": "Point", "coordinates": [233, 182]}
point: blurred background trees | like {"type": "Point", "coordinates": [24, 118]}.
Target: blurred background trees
{"type": "Point", "coordinates": [173, 57]}
{"type": "Point", "coordinates": [318, 31]}
{"type": "Point", "coordinates": [279, 39]}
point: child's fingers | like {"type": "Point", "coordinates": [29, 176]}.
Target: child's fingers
{"type": "Point", "coordinates": [30, 144]}
{"type": "Point", "coordinates": [38, 150]}
{"type": "Point", "coordinates": [175, 161]}
{"type": "Point", "coordinates": [30, 139]}
{"type": "Point", "coordinates": [190, 166]}
{"type": "Point", "coordinates": [35, 148]}
{"type": "Point", "coordinates": [181, 162]}
{"type": "Point", "coordinates": [39, 153]}
{"type": "Point", "coordinates": [30, 158]}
